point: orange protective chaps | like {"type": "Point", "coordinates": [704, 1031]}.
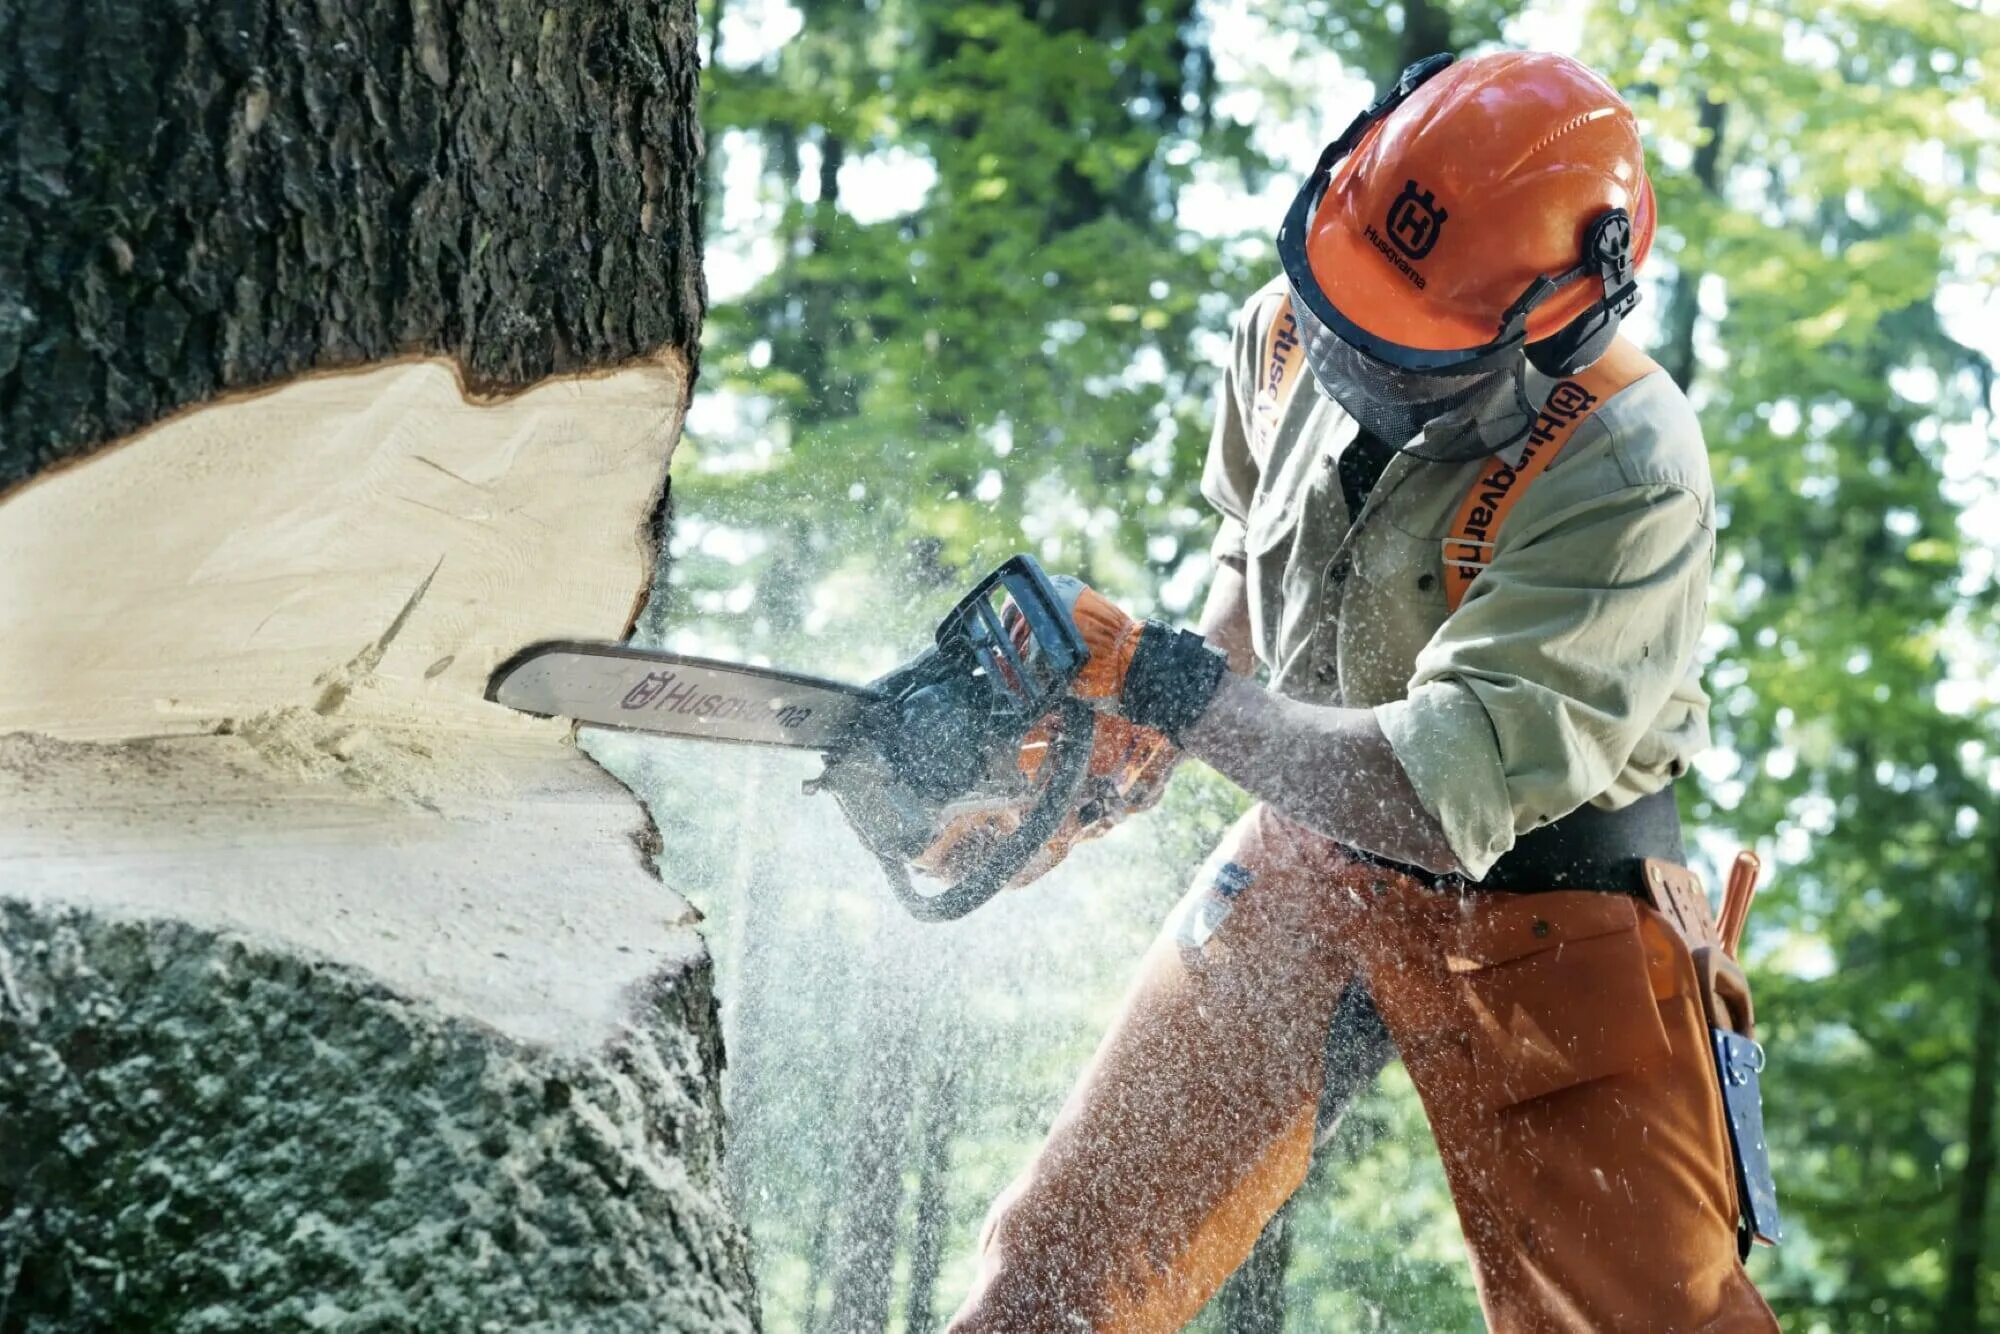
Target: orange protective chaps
{"type": "Point", "coordinates": [1558, 1044]}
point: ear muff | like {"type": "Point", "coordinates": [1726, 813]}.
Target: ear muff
{"type": "Point", "coordinates": [1607, 252]}
{"type": "Point", "coordinates": [1575, 346]}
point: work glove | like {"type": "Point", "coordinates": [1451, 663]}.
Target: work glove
{"type": "Point", "coordinates": [1147, 672]}
{"type": "Point", "coordinates": [1130, 763]}
{"type": "Point", "coordinates": [1127, 773]}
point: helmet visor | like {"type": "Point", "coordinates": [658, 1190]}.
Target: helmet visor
{"type": "Point", "coordinates": [1439, 416]}
{"type": "Point", "coordinates": [1467, 403]}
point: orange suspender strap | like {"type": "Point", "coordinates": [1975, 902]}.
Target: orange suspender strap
{"type": "Point", "coordinates": [1277, 371]}
{"type": "Point", "coordinates": [1475, 531]}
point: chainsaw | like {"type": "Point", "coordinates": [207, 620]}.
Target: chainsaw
{"type": "Point", "coordinates": [972, 762]}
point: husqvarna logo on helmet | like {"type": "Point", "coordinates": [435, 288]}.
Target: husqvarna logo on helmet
{"type": "Point", "coordinates": [1415, 221]}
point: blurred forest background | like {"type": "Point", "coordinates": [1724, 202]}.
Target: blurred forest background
{"type": "Point", "coordinates": [971, 269]}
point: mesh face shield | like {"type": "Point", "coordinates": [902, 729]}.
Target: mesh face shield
{"type": "Point", "coordinates": [1462, 415]}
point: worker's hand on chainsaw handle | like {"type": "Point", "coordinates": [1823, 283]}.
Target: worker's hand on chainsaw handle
{"type": "Point", "coordinates": [1147, 672]}
{"type": "Point", "coordinates": [1135, 760]}
{"type": "Point", "coordinates": [1112, 636]}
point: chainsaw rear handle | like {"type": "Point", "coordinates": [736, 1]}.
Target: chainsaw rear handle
{"type": "Point", "coordinates": [1067, 765]}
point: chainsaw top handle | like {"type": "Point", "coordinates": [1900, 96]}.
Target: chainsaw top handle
{"type": "Point", "coordinates": [1035, 673]}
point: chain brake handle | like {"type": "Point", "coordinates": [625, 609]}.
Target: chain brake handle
{"type": "Point", "coordinates": [1027, 682]}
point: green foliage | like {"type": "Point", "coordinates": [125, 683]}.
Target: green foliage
{"type": "Point", "coordinates": [1847, 162]}
{"type": "Point", "coordinates": [1019, 347]}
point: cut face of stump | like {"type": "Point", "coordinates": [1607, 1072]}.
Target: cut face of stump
{"type": "Point", "coordinates": [332, 995]}
{"type": "Point", "coordinates": [247, 651]}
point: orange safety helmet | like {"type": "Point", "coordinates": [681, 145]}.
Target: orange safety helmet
{"type": "Point", "coordinates": [1479, 207]}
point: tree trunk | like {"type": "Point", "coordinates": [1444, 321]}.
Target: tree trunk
{"type": "Point", "coordinates": [864, 1259]}
{"type": "Point", "coordinates": [326, 987]}
{"type": "Point", "coordinates": [1426, 31]}
{"type": "Point", "coordinates": [220, 196]}
{"type": "Point", "coordinates": [1253, 1301]}
{"type": "Point", "coordinates": [928, 1239]}
{"type": "Point", "coordinates": [1677, 355]}
{"type": "Point", "coordinates": [1975, 1185]}
{"type": "Point", "coordinates": [817, 1246]}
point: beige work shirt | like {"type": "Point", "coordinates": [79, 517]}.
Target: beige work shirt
{"type": "Point", "coordinates": [1565, 676]}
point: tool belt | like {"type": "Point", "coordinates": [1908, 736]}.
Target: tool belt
{"type": "Point", "coordinates": [1639, 851]}
{"type": "Point", "coordinates": [1589, 848]}
{"type": "Point", "coordinates": [1592, 848]}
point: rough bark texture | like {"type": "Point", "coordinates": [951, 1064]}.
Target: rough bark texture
{"type": "Point", "coordinates": [199, 196]}
{"type": "Point", "coordinates": [202, 1134]}
{"type": "Point", "coordinates": [1962, 1297]}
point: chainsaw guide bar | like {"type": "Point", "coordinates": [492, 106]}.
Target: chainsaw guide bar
{"type": "Point", "coordinates": [940, 740]}
{"type": "Point", "coordinates": [671, 694]}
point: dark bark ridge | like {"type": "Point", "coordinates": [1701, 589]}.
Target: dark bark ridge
{"type": "Point", "coordinates": [200, 196]}
{"type": "Point", "coordinates": [202, 1133]}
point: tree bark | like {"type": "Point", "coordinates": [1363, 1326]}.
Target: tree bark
{"type": "Point", "coordinates": [1677, 354]}
{"type": "Point", "coordinates": [214, 196]}
{"type": "Point", "coordinates": [1961, 1306]}
{"type": "Point", "coordinates": [330, 992]}
{"type": "Point", "coordinates": [1253, 1301]}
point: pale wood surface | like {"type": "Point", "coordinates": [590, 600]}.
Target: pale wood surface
{"type": "Point", "coordinates": [529, 906]}
{"type": "Point", "coordinates": [369, 534]}
{"type": "Point", "coordinates": [243, 658]}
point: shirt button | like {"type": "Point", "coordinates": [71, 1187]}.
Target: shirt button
{"type": "Point", "coordinates": [1340, 571]}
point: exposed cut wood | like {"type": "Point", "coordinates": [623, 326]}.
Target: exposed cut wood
{"type": "Point", "coordinates": [298, 597]}
{"type": "Point", "coordinates": [364, 546]}
{"type": "Point", "coordinates": [525, 906]}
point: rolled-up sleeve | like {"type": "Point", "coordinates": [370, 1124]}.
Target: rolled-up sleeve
{"type": "Point", "coordinates": [1229, 474]}
{"type": "Point", "coordinates": [1531, 697]}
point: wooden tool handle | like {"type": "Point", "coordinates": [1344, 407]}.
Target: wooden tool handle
{"type": "Point", "coordinates": [1736, 896]}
